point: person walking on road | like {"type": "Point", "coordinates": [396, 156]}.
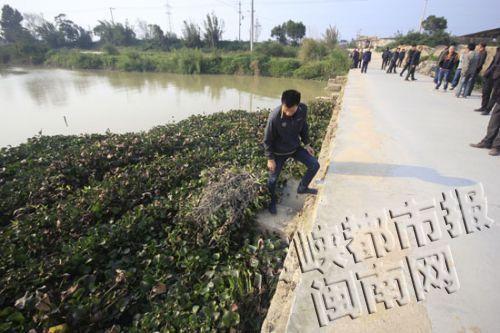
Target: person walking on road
{"type": "Point", "coordinates": [360, 58]}
{"type": "Point", "coordinates": [401, 57]}
{"type": "Point", "coordinates": [385, 57]}
{"type": "Point", "coordinates": [469, 65]}
{"type": "Point", "coordinates": [414, 61]}
{"type": "Point", "coordinates": [490, 84]}
{"type": "Point", "coordinates": [286, 127]}
{"type": "Point", "coordinates": [408, 58]}
{"type": "Point", "coordinates": [481, 58]}
{"type": "Point", "coordinates": [446, 65]}
{"type": "Point", "coordinates": [394, 59]}
{"type": "Point", "coordinates": [367, 57]}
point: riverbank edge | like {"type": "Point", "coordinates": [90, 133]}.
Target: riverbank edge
{"type": "Point", "coordinates": [279, 312]}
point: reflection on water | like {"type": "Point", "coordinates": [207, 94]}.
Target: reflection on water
{"type": "Point", "coordinates": [33, 100]}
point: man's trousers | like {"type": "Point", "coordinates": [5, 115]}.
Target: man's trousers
{"type": "Point", "coordinates": [303, 157]}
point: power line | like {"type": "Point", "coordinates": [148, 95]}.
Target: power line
{"type": "Point", "coordinates": [111, 11]}
{"type": "Point", "coordinates": [423, 16]}
{"type": "Point", "coordinates": [239, 20]}
{"type": "Point", "coordinates": [252, 27]}
{"type": "Point", "coordinates": [169, 14]}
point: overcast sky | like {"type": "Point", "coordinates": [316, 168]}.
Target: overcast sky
{"type": "Point", "coordinates": [369, 17]}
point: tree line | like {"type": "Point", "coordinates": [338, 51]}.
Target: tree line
{"type": "Point", "coordinates": [63, 32]}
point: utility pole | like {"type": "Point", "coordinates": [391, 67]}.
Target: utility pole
{"type": "Point", "coordinates": [169, 14]}
{"type": "Point", "coordinates": [111, 11]}
{"type": "Point", "coordinates": [257, 30]}
{"type": "Point", "coordinates": [239, 20]}
{"type": "Point", "coordinates": [423, 15]}
{"type": "Point", "coordinates": [251, 28]}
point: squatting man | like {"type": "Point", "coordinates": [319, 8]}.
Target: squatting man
{"type": "Point", "coordinates": [286, 127]}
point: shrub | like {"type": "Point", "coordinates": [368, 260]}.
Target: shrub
{"type": "Point", "coordinates": [236, 64]}
{"type": "Point", "coordinates": [275, 49]}
{"type": "Point", "coordinates": [283, 66]}
{"type": "Point", "coordinates": [110, 49]}
{"type": "Point", "coordinates": [312, 50]}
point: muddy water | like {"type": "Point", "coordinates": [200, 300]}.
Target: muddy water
{"type": "Point", "coordinates": [56, 101]}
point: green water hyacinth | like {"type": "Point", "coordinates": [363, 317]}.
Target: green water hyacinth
{"type": "Point", "coordinates": [112, 231]}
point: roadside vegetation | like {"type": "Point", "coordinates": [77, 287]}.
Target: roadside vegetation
{"type": "Point", "coordinates": [30, 39]}
{"type": "Point", "coordinates": [434, 34]}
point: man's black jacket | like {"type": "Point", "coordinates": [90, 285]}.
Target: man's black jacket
{"type": "Point", "coordinates": [415, 58]}
{"type": "Point", "coordinates": [282, 135]}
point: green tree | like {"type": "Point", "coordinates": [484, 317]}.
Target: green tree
{"type": "Point", "coordinates": [279, 32]}
{"type": "Point", "coordinates": [191, 34]}
{"type": "Point", "coordinates": [289, 31]}
{"type": "Point", "coordinates": [49, 33]}
{"type": "Point", "coordinates": [73, 34]}
{"type": "Point", "coordinates": [433, 24]}
{"type": "Point", "coordinates": [214, 28]}
{"type": "Point", "coordinates": [115, 33]}
{"type": "Point", "coordinates": [295, 31]}
{"type": "Point", "coordinates": [11, 28]}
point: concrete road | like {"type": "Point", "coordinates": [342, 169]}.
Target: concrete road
{"type": "Point", "coordinates": [399, 141]}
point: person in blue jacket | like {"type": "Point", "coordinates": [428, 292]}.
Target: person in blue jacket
{"type": "Point", "coordinates": [367, 57]}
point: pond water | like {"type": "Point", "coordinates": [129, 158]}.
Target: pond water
{"type": "Point", "coordinates": [58, 101]}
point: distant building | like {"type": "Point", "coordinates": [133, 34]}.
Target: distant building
{"type": "Point", "coordinates": [364, 42]}
{"type": "Point", "coordinates": [491, 36]}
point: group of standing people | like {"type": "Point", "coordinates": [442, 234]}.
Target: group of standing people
{"type": "Point", "coordinates": [361, 59]}
{"type": "Point", "coordinates": [490, 99]}
{"type": "Point", "coordinates": [459, 71]}
{"type": "Point", "coordinates": [408, 60]}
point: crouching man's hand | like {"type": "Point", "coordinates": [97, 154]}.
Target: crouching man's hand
{"type": "Point", "coordinates": [271, 165]}
{"type": "Point", "coordinates": [309, 150]}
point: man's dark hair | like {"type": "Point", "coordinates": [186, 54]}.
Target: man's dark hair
{"type": "Point", "coordinates": [290, 98]}
{"type": "Point", "coordinates": [471, 46]}
{"type": "Point", "coordinates": [483, 44]}
{"type": "Point", "coordinates": [414, 45]}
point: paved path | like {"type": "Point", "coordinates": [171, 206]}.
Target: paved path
{"type": "Point", "coordinates": [399, 140]}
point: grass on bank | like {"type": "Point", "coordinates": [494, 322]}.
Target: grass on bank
{"type": "Point", "coordinates": [311, 61]}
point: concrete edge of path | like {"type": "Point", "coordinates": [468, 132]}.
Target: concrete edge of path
{"type": "Point", "coordinates": [280, 309]}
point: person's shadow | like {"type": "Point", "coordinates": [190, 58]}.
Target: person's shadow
{"type": "Point", "coordinates": [396, 170]}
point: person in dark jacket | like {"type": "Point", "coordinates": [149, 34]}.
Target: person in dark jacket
{"type": "Point", "coordinates": [414, 61]}
{"type": "Point", "coordinates": [401, 57]}
{"type": "Point", "coordinates": [385, 58]}
{"type": "Point", "coordinates": [367, 57]}
{"type": "Point", "coordinates": [492, 139]}
{"type": "Point", "coordinates": [481, 54]}
{"type": "Point", "coordinates": [360, 58]}
{"type": "Point", "coordinates": [394, 59]}
{"type": "Point", "coordinates": [446, 65]}
{"type": "Point", "coordinates": [489, 85]}
{"type": "Point", "coordinates": [355, 58]}
{"type": "Point", "coordinates": [286, 127]}
{"type": "Point", "coordinates": [408, 58]}
{"type": "Point", "coordinates": [440, 57]}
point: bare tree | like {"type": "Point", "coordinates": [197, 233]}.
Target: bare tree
{"type": "Point", "coordinates": [32, 21]}
{"type": "Point", "coordinates": [191, 34]}
{"type": "Point", "coordinates": [331, 36]}
{"type": "Point", "coordinates": [142, 29]}
{"type": "Point", "coordinates": [214, 27]}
